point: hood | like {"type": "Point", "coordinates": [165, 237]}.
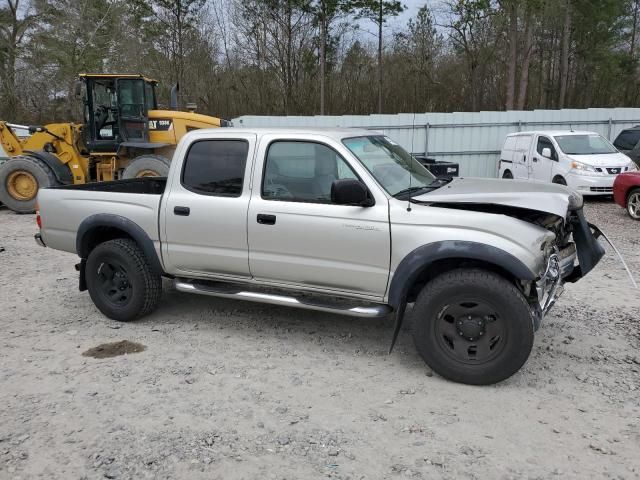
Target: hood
{"type": "Point", "coordinates": [605, 160]}
{"type": "Point", "coordinates": [542, 197]}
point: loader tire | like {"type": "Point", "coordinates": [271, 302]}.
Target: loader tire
{"type": "Point", "coordinates": [120, 280]}
{"type": "Point", "coordinates": [20, 179]}
{"type": "Point", "coordinates": [147, 166]}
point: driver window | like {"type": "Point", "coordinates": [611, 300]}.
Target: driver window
{"type": "Point", "coordinates": [544, 142]}
{"type": "Point", "coordinates": [302, 172]}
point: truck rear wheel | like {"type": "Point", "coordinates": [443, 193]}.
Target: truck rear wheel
{"type": "Point", "coordinates": [20, 179]}
{"type": "Point", "coordinates": [147, 166]}
{"type": "Point", "coordinates": [120, 280]}
{"type": "Point", "coordinates": [473, 326]}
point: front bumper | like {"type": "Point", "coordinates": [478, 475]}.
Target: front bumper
{"type": "Point", "coordinates": [551, 284]}
{"type": "Point", "coordinates": [38, 239]}
{"type": "Point", "coordinates": [591, 185]}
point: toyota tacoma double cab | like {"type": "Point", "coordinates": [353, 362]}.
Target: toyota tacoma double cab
{"type": "Point", "coordinates": [337, 220]}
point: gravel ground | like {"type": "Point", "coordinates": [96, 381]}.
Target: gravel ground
{"type": "Point", "coordinates": [226, 389]}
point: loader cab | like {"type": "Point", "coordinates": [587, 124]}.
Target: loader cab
{"type": "Point", "coordinates": [116, 110]}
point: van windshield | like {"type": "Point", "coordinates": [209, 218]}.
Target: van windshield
{"type": "Point", "coordinates": [584, 144]}
{"type": "Point", "coordinates": [392, 166]}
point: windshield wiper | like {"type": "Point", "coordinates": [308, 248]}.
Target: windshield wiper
{"type": "Point", "coordinates": [407, 191]}
{"type": "Point", "coordinates": [437, 183]}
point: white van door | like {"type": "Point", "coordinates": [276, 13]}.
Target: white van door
{"type": "Point", "coordinates": [521, 159]}
{"type": "Point", "coordinates": [542, 166]}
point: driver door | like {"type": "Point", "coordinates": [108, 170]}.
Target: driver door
{"type": "Point", "coordinates": [297, 236]}
{"type": "Point", "coordinates": [133, 117]}
{"type": "Point", "coordinates": [543, 166]}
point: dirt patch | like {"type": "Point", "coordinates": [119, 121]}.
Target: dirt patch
{"type": "Point", "coordinates": [108, 350]}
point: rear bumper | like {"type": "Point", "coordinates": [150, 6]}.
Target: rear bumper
{"type": "Point", "coordinates": [38, 239]}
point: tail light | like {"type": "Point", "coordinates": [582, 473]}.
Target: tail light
{"type": "Point", "coordinates": [38, 219]}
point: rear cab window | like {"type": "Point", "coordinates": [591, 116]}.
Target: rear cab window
{"type": "Point", "coordinates": [215, 167]}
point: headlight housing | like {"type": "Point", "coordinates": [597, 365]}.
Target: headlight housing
{"type": "Point", "coordinates": [632, 167]}
{"type": "Point", "coordinates": [583, 169]}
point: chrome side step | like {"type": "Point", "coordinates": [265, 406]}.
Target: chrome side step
{"type": "Point", "coordinates": [305, 300]}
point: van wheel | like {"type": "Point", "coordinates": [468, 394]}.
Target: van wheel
{"type": "Point", "coordinates": [559, 180]}
{"type": "Point", "coordinates": [472, 326]}
{"type": "Point", "coordinates": [147, 166]}
{"type": "Point", "coordinates": [633, 204]}
{"type": "Point", "coordinates": [120, 280]}
{"type": "Point", "coordinates": [507, 174]}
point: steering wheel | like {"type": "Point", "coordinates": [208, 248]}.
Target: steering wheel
{"type": "Point", "coordinates": [276, 190]}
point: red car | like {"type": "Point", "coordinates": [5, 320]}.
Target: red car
{"type": "Point", "coordinates": [626, 193]}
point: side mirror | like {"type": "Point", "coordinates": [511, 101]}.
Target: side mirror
{"type": "Point", "coordinates": [546, 152]}
{"type": "Point", "coordinates": [349, 191]}
{"type": "Point", "coordinates": [78, 88]}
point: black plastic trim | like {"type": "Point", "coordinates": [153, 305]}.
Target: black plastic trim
{"type": "Point", "coordinates": [60, 170]}
{"type": "Point", "coordinates": [420, 259]}
{"type": "Point", "coordinates": [118, 222]}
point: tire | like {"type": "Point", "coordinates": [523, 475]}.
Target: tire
{"type": "Point", "coordinates": [120, 280]}
{"type": "Point", "coordinates": [559, 181]}
{"type": "Point", "coordinates": [507, 174]}
{"type": "Point", "coordinates": [147, 166]}
{"type": "Point", "coordinates": [633, 203]}
{"type": "Point", "coordinates": [493, 316]}
{"type": "Point", "coordinates": [20, 179]}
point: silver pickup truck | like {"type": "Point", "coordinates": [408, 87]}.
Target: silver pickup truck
{"type": "Point", "coordinates": [338, 220]}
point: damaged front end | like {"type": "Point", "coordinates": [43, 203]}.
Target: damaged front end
{"type": "Point", "coordinates": [573, 253]}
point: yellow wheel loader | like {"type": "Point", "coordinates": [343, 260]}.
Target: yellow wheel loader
{"type": "Point", "coordinates": [124, 135]}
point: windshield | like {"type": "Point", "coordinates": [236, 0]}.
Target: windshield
{"type": "Point", "coordinates": [584, 144]}
{"type": "Point", "coordinates": [391, 165]}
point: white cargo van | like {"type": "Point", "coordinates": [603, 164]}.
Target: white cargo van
{"type": "Point", "coordinates": [584, 161]}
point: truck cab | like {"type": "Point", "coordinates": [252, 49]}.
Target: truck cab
{"type": "Point", "coordinates": [584, 161]}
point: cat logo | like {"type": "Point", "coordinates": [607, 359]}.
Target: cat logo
{"type": "Point", "coordinates": [160, 125]}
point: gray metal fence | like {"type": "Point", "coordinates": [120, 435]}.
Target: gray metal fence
{"type": "Point", "coordinates": [471, 139]}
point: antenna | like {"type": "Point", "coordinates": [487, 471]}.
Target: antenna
{"type": "Point", "coordinates": [413, 134]}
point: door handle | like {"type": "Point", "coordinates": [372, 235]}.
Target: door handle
{"type": "Point", "coordinates": [182, 211]}
{"type": "Point", "coordinates": [266, 219]}
{"type": "Point", "coordinates": [535, 159]}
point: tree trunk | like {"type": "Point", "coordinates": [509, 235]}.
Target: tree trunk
{"type": "Point", "coordinates": [564, 61]}
{"type": "Point", "coordinates": [526, 61]}
{"type": "Point", "coordinates": [323, 55]}
{"type": "Point", "coordinates": [513, 55]}
{"type": "Point", "coordinates": [380, 58]}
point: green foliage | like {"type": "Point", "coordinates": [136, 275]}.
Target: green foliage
{"type": "Point", "coordinates": [235, 57]}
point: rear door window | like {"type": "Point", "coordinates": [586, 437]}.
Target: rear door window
{"type": "Point", "coordinates": [215, 167]}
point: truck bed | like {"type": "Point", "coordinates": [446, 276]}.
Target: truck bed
{"type": "Point", "coordinates": [144, 185]}
{"type": "Point", "coordinates": [64, 208]}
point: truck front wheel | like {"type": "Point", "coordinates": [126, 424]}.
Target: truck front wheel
{"type": "Point", "coordinates": [473, 326]}
{"type": "Point", "coordinates": [120, 280]}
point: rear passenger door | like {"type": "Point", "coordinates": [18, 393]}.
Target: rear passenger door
{"type": "Point", "coordinates": [205, 212]}
{"type": "Point", "coordinates": [521, 160]}
{"type": "Point", "coordinates": [298, 237]}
